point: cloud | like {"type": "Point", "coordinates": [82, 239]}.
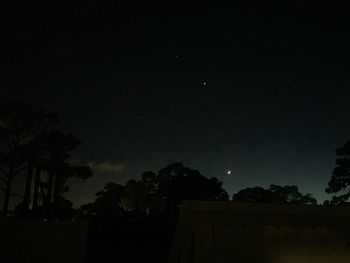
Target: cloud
{"type": "Point", "coordinates": [107, 167]}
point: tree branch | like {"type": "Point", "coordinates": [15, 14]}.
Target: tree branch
{"type": "Point", "coordinates": [39, 129]}
{"type": "Point", "coordinates": [17, 171]}
{"type": "Point", "coordinates": [4, 163]}
{"type": "Point", "coordinates": [18, 195]}
{"type": "Point", "coordinates": [3, 171]}
{"type": "Point", "coordinates": [4, 180]}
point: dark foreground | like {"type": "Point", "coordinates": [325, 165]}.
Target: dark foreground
{"type": "Point", "coordinates": [99, 239]}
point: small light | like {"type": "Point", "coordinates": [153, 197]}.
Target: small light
{"type": "Point", "coordinates": [228, 172]}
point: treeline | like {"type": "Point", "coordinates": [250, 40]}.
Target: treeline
{"type": "Point", "coordinates": [32, 145]}
{"type": "Point", "coordinates": [161, 193]}
{"type": "Point", "coordinates": [157, 193]}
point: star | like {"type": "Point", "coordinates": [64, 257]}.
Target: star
{"type": "Point", "coordinates": [204, 83]}
{"type": "Point", "coordinates": [228, 172]}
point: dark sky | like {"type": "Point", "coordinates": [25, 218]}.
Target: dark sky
{"type": "Point", "coordinates": [260, 90]}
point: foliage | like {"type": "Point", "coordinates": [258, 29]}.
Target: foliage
{"type": "Point", "coordinates": [134, 195]}
{"type": "Point", "coordinates": [177, 183]}
{"type": "Point", "coordinates": [275, 194]}
{"type": "Point", "coordinates": [53, 150]}
{"type": "Point", "coordinates": [19, 124]}
{"type": "Point", "coordinates": [27, 142]}
{"type": "Point", "coordinates": [340, 179]}
{"type": "Point", "coordinates": [161, 193]}
{"type": "Point", "coordinates": [107, 201]}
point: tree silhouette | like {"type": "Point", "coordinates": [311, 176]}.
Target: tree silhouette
{"type": "Point", "coordinates": [164, 192]}
{"type": "Point", "coordinates": [19, 124]}
{"type": "Point", "coordinates": [159, 193]}
{"type": "Point", "coordinates": [54, 148]}
{"type": "Point", "coordinates": [340, 179]}
{"type": "Point", "coordinates": [154, 201]}
{"type": "Point", "coordinates": [275, 194]}
{"type": "Point", "coordinates": [107, 201]}
{"type": "Point", "coordinates": [50, 153]}
{"type": "Point", "coordinates": [177, 183]}
{"type": "Point", "coordinates": [253, 195]}
{"type": "Point", "coordinates": [142, 195]}
{"type": "Point", "coordinates": [29, 143]}
{"type": "Point", "coordinates": [134, 195]}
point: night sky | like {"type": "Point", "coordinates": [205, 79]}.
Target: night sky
{"type": "Point", "coordinates": [262, 91]}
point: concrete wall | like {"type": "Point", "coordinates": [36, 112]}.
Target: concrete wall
{"type": "Point", "coordinates": [219, 232]}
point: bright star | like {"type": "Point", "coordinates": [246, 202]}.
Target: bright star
{"type": "Point", "coordinates": [228, 172]}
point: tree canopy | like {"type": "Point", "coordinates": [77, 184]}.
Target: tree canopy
{"type": "Point", "coordinates": [340, 180]}
{"type": "Point", "coordinates": [28, 141]}
{"type": "Point", "coordinates": [160, 192]}
{"type": "Point", "coordinates": [108, 200]}
{"type": "Point", "coordinates": [177, 183]}
{"type": "Point", "coordinates": [275, 194]}
{"type": "Point", "coordinates": [19, 125]}
{"type": "Point", "coordinates": [54, 149]}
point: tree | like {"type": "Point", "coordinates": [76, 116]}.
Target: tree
{"type": "Point", "coordinates": [253, 195]}
{"type": "Point", "coordinates": [340, 180]}
{"type": "Point", "coordinates": [134, 195]}
{"type": "Point", "coordinates": [142, 196]}
{"type": "Point", "coordinates": [159, 193]}
{"type": "Point", "coordinates": [177, 183]}
{"type": "Point", "coordinates": [275, 194]}
{"type": "Point", "coordinates": [107, 201]}
{"type": "Point", "coordinates": [19, 124]}
{"type": "Point", "coordinates": [54, 150]}
{"type": "Point", "coordinates": [29, 143]}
